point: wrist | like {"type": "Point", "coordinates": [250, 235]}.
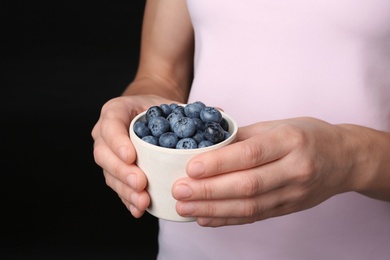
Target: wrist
{"type": "Point", "coordinates": [370, 154]}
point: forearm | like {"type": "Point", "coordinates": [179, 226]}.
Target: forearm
{"type": "Point", "coordinates": [371, 171]}
{"type": "Point", "coordinates": [166, 58]}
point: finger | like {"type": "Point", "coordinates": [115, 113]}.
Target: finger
{"type": "Point", "coordinates": [289, 170]}
{"type": "Point", "coordinates": [114, 129]}
{"type": "Point", "coordinates": [240, 184]}
{"type": "Point", "coordinates": [246, 132]}
{"type": "Point", "coordinates": [219, 222]}
{"type": "Point", "coordinates": [244, 208]}
{"type": "Point", "coordinates": [140, 199]}
{"type": "Point", "coordinates": [242, 155]}
{"type": "Point", "coordinates": [137, 213]}
{"type": "Point", "coordinates": [135, 201]}
{"type": "Point", "coordinates": [249, 208]}
{"type": "Point", "coordinates": [275, 203]}
{"type": "Point", "coordinates": [129, 174]}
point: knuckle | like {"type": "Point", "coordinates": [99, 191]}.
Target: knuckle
{"type": "Point", "coordinates": [306, 171]}
{"type": "Point", "coordinates": [297, 136]}
{"type": "Point", "coordinates": [95, 131]}
{"type": "Point", "coordinates": [250, 185]}
{"type": "Point", "coordinates": [107, 106]}
{"type": "Point", "coordinates": [107, 113]}
{"type": "Point", "coordinates": [105, 123]}
{"type": "Point", "coordinates": [211, 210]}
{"type": "Point", "coordinates": [98, 154]}
{"type": "Point", "coordinates": [108, 179]}
{"type": "Point", "coordinates": [251, 154]}
{"type": "Point", "coordinates": [208, 191]}
{"type": "Point", "coordinates": [299, 196]}
{"type": "Point", "coordinates": [250, 209]}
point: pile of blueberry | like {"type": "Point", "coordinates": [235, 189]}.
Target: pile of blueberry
{"type": "Point", "coordinates": [182, 127]}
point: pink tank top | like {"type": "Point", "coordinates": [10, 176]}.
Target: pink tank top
{"type": "Point", "coordinates": [265, 60]}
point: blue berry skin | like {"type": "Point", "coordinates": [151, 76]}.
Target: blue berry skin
{"type": "Point", "coordinates": [200, 104]}
{"type": "Point", "coordinates": [184, 127]}
{"type": "Point", "coordinates": [214, 132]}
{"type": "Point", "coordinates": [166, 108]}
{"type": "Point", "coordinates": [172, 118]}
{"type": "Point", "coordinates": [198, 136]}
{"type": "Point", "coordinates": [198, 124]}
{"type": "Point", "coordinates": [158, 125]}
{"type": "Point", "coordinates": [150, 139]}
{"type": "Point", "coordinates": [168, 140]}
{"type": "Point", "coordinates": [173, 106]}
{"type": "Point", "coordinates": [186, 143]}
{"type": "Point", "coordinates": [178, 110]}
{"type": "Point", "coordinates": [141, 129]}
{"type": "Point", "coordinates": [153, 112]}
{"type": "Point", "coordinates": [227, 135]}
{"type": "Point", "coordinates": [192, 110]}
{"type": "Point", "coordinates": [210, 114]}
{"type": "Point", "coordinates": [224, 124]}
{"type": "Point", "coordinates": [205, 143]}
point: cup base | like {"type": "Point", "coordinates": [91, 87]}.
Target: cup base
{"type": "Point", "coordinates": [176, 218]}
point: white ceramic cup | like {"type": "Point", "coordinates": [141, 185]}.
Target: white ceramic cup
{"type": "Point", "coordinates": [163, 166]}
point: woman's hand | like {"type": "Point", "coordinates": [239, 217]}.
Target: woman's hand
{"type": "Point", "coordinates": [114, 152]}
{"type": "Point", "coordinates": [274, 168]}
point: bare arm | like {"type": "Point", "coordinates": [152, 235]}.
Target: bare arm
{"type": "Point", "coordinates": [164, 75]}
{"type": "Point", "coordinates": [280, 167]}
{"type": "Point", "coordinates": [166, 58]}
{"type": "Point", "coordinates": [371, 168]}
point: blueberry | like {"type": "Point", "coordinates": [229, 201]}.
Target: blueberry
{"type": "Point", "coordinates": [158, 125]}
{"type": "Point", "coordinates": [173, 106]}
{"type": "Point", "coordinates": [172, 118]}
{"type": "Point", "coordinates": [198, 136]}
{"type": "Point", "coordinates": [226, 135]}
{"type": "Point", "coordinates": [150, 139]}
{"type": "Point", "coordinates": [199, 125]}
{"type": "Point", "coordinates": [184, 127]}
{"type": "Point", "coordinates": [193, 109]}
{"type": "Point", "coordinates": [186, 143]}
{"type": "Point", "coordinates": [168, 140]}
{"type": "Point", "coordinates": [200, 103]}
{"type": "Point", "coordinates": [214, 132]}
{"type": "Point", "coordinates": [210, 114]}
{"type": "Point", "coordinates": [178, 110]}
{"type": "Point", "coordinates": [166, 108]}
{"type": "Point", "coordinates": [224, 124]}
{"type": "Point", "coordinates": [205, 143]}
{"type": "Point", "coordinates": [154, 111]}
{"type": "Point", "coordinates": [141, 129]}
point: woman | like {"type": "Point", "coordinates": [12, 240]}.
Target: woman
{"type": "Point", "coordinates": [309, 84]}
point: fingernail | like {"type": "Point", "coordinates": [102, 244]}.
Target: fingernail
{"type": "Point", "coordinates": [132, 180]}
{"type": "Point", "coordinates": [196, 169]}
{"type": "Point", "coordinates": [186, 209]}
{"type": "Point", "coordinates": [182, 191]}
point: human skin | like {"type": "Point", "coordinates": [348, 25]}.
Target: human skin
{"type": "Point", "coordinates": [274, 168]}
{"type": "Point", "coordinates": [164, 75]}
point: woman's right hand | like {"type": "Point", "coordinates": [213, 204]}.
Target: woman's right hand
{"type": "Point", "coordinates": [115, 154]}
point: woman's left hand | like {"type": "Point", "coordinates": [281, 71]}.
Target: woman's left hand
{"type": "Point", "coordinates": [274, 168]}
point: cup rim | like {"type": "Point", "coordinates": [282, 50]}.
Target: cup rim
{"type": "Point", "coordinates": [233, 128]}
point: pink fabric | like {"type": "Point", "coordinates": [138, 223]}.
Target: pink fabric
{"type": "Point", "coordinates": [264, 60]}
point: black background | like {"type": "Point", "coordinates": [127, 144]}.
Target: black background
{"type": "Point", "coordinates": [61, 60]}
